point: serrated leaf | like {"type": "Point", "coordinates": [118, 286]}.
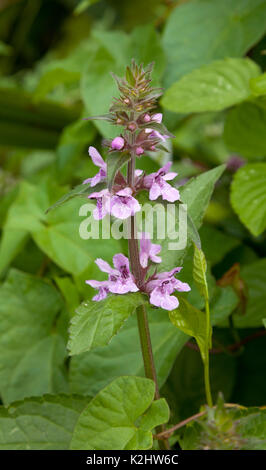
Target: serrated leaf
{"type": "Point", "coordinates": [95, 323]}
{"type": "Point", "coordinates": [244, 130]}
{"type": "Point", "coordinates": [32, 352]}
{"type": "Point", "coordinates": [196, 33]}
{"type": "Point", "coordinates": [212, 87]}
{"type": "Point", "coordinates": [110, 420]}
{"type": "Point", "coordinates": [44, 423]}
{"type": "Point", "coordinates": [248, 196]}
{"type": "Point", "coordinates": [115, 161]}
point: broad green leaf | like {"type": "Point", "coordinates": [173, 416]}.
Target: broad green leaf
{"type": "Point", "coordinates": [191, 321]}
{"type": "Point", "coordinates": [32, 352]}
{"type": "Point", "coordinates": [91, 371]}
{"type": "Point", "coordinates": [211, 238]}
{"type": "Point", "coordinates": [199, 32]}
{"type": "Point", "coordinates": [110, 420]}
{"type": "Point", "coordinates": [253, 428]}
{"type": "Point", "coordinates": [196, 195]}
{"type": "Point", "coordinates": [115, 161]}
{"type": "Point", "coordinates": [199, 272]}
{"type": "Point", "coordinates": [244, 130]}
{"type": "Point", "coordinates": [44, 423]}
{"type": "Point", "coordinates": [53, 78]}
{"type": "Point", "coordinates": [212, 87]}
{"type": "Point", "coordinates": [95, 323]}
{"type": "Point", "coordinates": [254, 275]}
{"type": "Point", "coordinates": [56, 234]}
{"type": "Point", "coordinates": [258, 85]}
{"type": "Point", "coordinates": [248, 196]}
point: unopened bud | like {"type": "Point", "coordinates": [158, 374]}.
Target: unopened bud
{"type": "Point", "coordinates": [146, 118]}
{"type": "Point", "coordinates": [132, 126]}
{"type": "Point", "coordinates": [117, 143]}
{"type": "Point", "coordinates": [139, 151]}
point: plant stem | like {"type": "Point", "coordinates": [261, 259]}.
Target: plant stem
{"type": "Point", "coordinates": [207, 359]}
{"type": "Point", "coordinates": [143, 324]}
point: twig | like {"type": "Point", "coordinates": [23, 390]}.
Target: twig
{"type": "Point", "coordinates": [170, 431]}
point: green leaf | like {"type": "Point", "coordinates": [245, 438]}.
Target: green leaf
{"type": "Point", "coordinates": [53, 78]}
{"type": "Point", "coordinates": [191, 321]}
{"type": "Point", "coordinates": [82, 190]}
{"type": "Point", "coordinates": [212, 87]}
{"type": "Point", "coordinates": [110, 420]}
{"type": "Point", "coordinates": [196, 195]}
{"type": "Point", "coordinates": [254, 275]}
{"type": "Point", "coordinates": [244, 130]}
{"type": "Point", "coordinates": [95, 323]}
{"type": "Point", "coordinates": [199, 272]}
{"type": "Point", "coordinates": [115, 161]}
{"type": "Point", "coordinates": [196, 33]}
{"type": "Point", "coordinates": [44, 423]}
{"type": "Point", "coordinates": [91, 371]}
{"type": "Point", "coordinates": [248, 196]}
{"type": "Point", "coordinates": [32, 352]}
{"type": "Point", "coordinates": [211, 237]}
{"type": "Point", "coordinates": [258, 85]}
{"type": "Point", "coordinates": [253, 428]}
{"type": "Point", "coordinates": [56, 234]}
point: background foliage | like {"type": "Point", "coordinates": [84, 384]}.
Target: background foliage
{"type": "Point", "coordinates": [55, 63]}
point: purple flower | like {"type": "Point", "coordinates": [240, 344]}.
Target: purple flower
{"type": "Point", "coordinates": [123, 204]}
{"type": "Point", "coordinates": [152, 132]}
{"type": "Point", "coordinates": [156, 183]}
{"type": "Point", "coordinates": [98, 161]}
{"type": "Point", "coordinates": [148, 251]}
{"type": "Point", "coordinates": [161, 288]}
{"type": "Point", "coordinates": [158, 117]}
{"type": "Point", "coordinates": [120, 279]}
{"type": "Point", "coordinates": [103, 199]}
{"type": "Point", "coordinates": [117, 143]}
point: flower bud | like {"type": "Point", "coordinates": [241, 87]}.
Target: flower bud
{"type": "Point", "coordinates": [132, 126]}
{"type": "Point", "coordinates": [146, 118]}
{"type": "Point", "coordinates": [117, 143]}
{"type": "Point", "coordinates": [139, 151]}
